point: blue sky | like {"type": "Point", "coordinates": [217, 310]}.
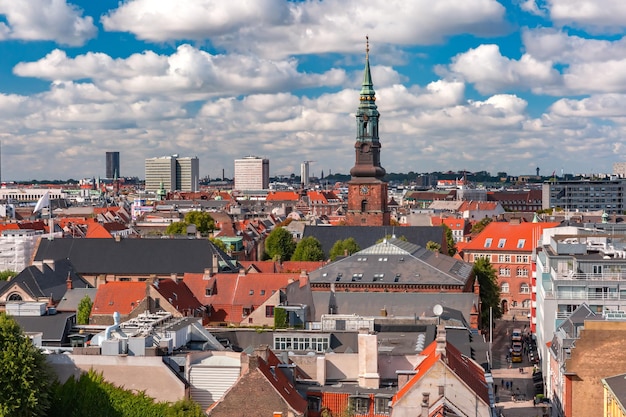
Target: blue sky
{"type": "Point", "coordinates": [460, 84]}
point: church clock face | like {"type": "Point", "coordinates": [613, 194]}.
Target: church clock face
{"type": "Point", "coordinates": [364, 189]}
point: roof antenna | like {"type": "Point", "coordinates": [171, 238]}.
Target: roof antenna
{"type": "Point", "coordinates": [367, 47]}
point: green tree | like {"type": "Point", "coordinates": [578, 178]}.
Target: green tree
{"type": "Point", "coordinates": [203, 221]}
{"type": "Point", "coordinates": [308, 249]}
{"type": "Point", "coordinates": [24, 376]}
{"type": "Point", "coordinates": [5, 275]}
{"type": "Point", "coordinates": [489, 290]}
{"type": "Point", "coordinates": [84, 310]}
{"type": "Point", "coordinates": [433, 246]}
{"type": "Point", "coordinates": [176, 228]}
{"type": "Point", "coordinates": [478, 227]}
{"type": "Point", "coordinates": [342, 247]}
{"type": "Point", "coordinates": [450, 241]}
{"type": "Point", "coordinates": [280, 244]}
{"type": "Point", "coordinates": [219, 243]}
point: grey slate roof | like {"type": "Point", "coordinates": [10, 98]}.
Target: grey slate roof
{"type": "Point", "coordinates": [395, 262]}
{"type": "Point", "coordinates": [397, 304]}
{"type": "Point", "coordinates": [72, 298]}
{"type": "Point", "coordinates": [48, 282]}
{"type": "Point", "coordinates": [366, 236]}
{"type": "Point", "coordinates": [617, 385]}
{"type": "Point", "coordinates": [133, 256]}
{"type": "Point", "coordinates": [55, 328]}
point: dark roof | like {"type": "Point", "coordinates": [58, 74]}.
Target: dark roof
{"type": "Point", "coordinates": [617, 384]}
{"type": "Point", "coordinates": [72, 298]}
{"type": "Point", "coordinates": [48, 282]}
{"type": "Point", "coordinates": [54, 327]}
{"type": "Point", "coordinates": [366, 236]}
{"type": "Point", "coordinates": [395, 262]}
{"type": "Point", "coordinates": [397, 304]}
{"type": "Point", "coordinates": [133, 256]}
{"type": "Point", "coordinates": [576, 320]}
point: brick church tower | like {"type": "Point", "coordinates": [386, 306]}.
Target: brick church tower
{"type": "Point", "coordinates": [367, 192]}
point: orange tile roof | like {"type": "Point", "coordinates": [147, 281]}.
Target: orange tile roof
{"type": "Point", "coordinates": [120, 296]}
{"type": "Point", "coordinates": [507, 236]}
{"type": "Point", "coordinates": [466, 369]}
{"type": "Point", "coordinates": [96, 230]}
{"type": "Point", "coordinates": [478, 205]}
{"type": "Point", "coordinates": [178, 295]}
{"type": "Point", "coordinates": [283, 196]}
{"type": "Point", "coordinates": [299, 266]}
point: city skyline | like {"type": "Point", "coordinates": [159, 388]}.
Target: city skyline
{"type": "Point", "coordinates": [494, 86]}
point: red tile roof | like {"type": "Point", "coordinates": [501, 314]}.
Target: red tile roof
{"type": "Point", "coordinates": [283, 196]}
{"type": "Point", "coordinates": [96, 230]}
{"type": "Point", "coordinates": [465, 368]}
{"type": "Point", "coordinates": [120, 296]}
{"type": "Point", "coordinates": [178, 295]}
{"type": "Point", "coordinates": [508, 236]}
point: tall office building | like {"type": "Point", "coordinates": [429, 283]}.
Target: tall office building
{"type": "Point", "coordinates": [252, 173]}
{"type": "Point", "coordinates": [304, 173]}
{"type": "Point", "coordinates": [174, 172]}
{"type": "Point", "coordinates": [112, 165]}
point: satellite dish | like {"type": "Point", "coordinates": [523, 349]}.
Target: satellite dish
{"type": "Point", "coordinates": [438, 310]}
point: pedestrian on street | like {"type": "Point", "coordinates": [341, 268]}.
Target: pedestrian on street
{"type": "Point", "coordinates": [511, 384]}
{"type": "Point", "coordinates": [502, 383]}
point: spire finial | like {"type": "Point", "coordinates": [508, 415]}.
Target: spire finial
{"type": "Point", "coordinates": [367, 46]}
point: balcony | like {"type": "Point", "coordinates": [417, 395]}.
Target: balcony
{"type": "Point", "coordinates": [581, 276]}
{"type": "Point", "coordinates": [586, 296]}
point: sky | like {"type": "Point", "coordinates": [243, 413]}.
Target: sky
{"type": "Point", "coordinates": [500, 86]}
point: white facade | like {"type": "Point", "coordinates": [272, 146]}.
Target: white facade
{"type": "Point", "coordinates": [187, 173]}
{"type": "Point", "coordinates": [304, 173]}
{"type": "Point", "coordinates": [30, 194]}
{"type": "Point", "coordinates": [17, 247]}
{"type": "Point", "coordinates": [576, 265]}
{"type": "Point", "coordinates": [252, 173]}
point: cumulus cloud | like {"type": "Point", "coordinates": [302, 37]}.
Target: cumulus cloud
{"type": "Point", "coordinates": [188, 74]}
{"type": "Point", "coordinates": [490, 71]}
{"type": "Point", "coordinates": [45, 20]}
{"type": "Point", "coordinates": [598, 16]}
{"type": "Point", "coordinates": [275, 28]}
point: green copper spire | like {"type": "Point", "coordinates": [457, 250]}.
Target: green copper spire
{"type": "Point", "coordinates": [367, 89]}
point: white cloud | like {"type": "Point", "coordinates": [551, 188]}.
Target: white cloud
{"type": "Point", "coordinates": [45, 20]}
{"type": "Point", "coordinates": [530, 6]}
{"type": "Point", "coordinates": [186, 75]}
{"type": "Point", "coordinates": [592, 15]}
{"type": "Point", "coordinates": [275, 28]}
{"type": "Point", "coordinates": [491, 72]}
{"type": "Point", "coordinates": [601, 106]}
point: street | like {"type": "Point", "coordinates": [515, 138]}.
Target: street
{"type": "Point", "coordinates": [515, 390]}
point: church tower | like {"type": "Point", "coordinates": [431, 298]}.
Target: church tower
{"type": "Point", "coordinates": [367, 192]}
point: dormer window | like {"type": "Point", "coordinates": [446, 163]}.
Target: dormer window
{"type": "Point", "coordinates": [488, 242]}
{"type": "Point", "coordinates": [501, 243]}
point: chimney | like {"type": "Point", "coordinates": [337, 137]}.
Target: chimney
{"type": "Point", "coordinates": [368, 359]}
{"type": "Point", "coordinates": [441, 340]}
{"type": "Point", "coordinates": [68, 282]}
{"type": "Point", "coordinates": [174, 277]}
{"type": "Point", "coordinates": [404, 377]}
{"type": "Point", "coordinates": [425, 404]}
{"type": "Point", "coordinates": [118, 238]}
{"type": "Point", "coordinates": [262, 351]}
{"type": "Point", "coordinates": [215, 266]}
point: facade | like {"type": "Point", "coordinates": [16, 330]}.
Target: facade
{"type": "Point", "coordinates": [161, 171]}
{"type": "Point", "coordinates": [112, 165]}
{"type": "Point", "coordinates": [525, 200]}
{"type": "Point", "coordinates": [173, 172]}
{"type": "Point", "coordinates": [304, 174]}
{"type": "Point", "coordinates": [252, 173]}
{"type": "Point", "coordinates": [615, 396]}
{"type": "Point", "coordinates": [509, 247]}
{"type": "Point", "coordinates": [576, 266]}
{"type": "Point", "coordinates": [367, 192]}
{"type": "Point", "coordinates": [586, 195]}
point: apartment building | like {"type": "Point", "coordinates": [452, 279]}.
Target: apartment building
{"type": "Point", "coordinates": [586, 195]}
{"type": "Point", "coordinates": [252, 173]}
{"type": "Point", "coordinates": [174, 172]}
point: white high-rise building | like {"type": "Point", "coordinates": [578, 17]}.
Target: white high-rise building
{"type": "Point", "coordinates": [304, 173]}
{"type": "Point", "coordinates": [174, 172]}
{"type": "Point", "coordinates": [252, 173]}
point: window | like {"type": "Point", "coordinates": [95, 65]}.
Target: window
{"type": "Point", "coordinates": [208, 292]}
{"type": "Point", "coordinates": [318, 344]}
{"type": "Point", "coordinates": [505, 272]}
{"type": "Point", "coordinates": [521, 243]}
{"type": "Point", "coordinates": [251, 292]}
{"type": "Point", "coordinates": [526, 303]}
{"type": "Point", "coordinates": [488, 242]}
{"type": "Point", "coordinates": [524, 289]}
{"type": "Point", "coordinates": [269, 311]}
{"type": "Point", "coordinates": [314, 403]}
{"type": "Point", "coordinates": [357, 277]}
{"type": "Point", "coordinates": [501, 243]}
{"type": "Point", "coordinates": [360, 405]}
{"type": "Point", "coordinates": [522, 272]}
{"type": "Point", "coordinates": [262, 292]}
{"type": "Point", "coordinates": [504, 288]}
{"type": "Point", "coordinates": [378, 277]}
{"type": "Point", "coordinates": [381, 405]}
{"type": "Point", "coordinates": [14, 297]}
{"type": "Point", "coordinates": [504, 258]}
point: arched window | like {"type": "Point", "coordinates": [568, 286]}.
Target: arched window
{"type": "Point", "coordinates": [524, 288]}
{"type": "Point", "coordinates": [14, 297]}
{"type": "Point", "coordinates": [504, 288]}
{"type": "Point", "coordinates": [363, 206]}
